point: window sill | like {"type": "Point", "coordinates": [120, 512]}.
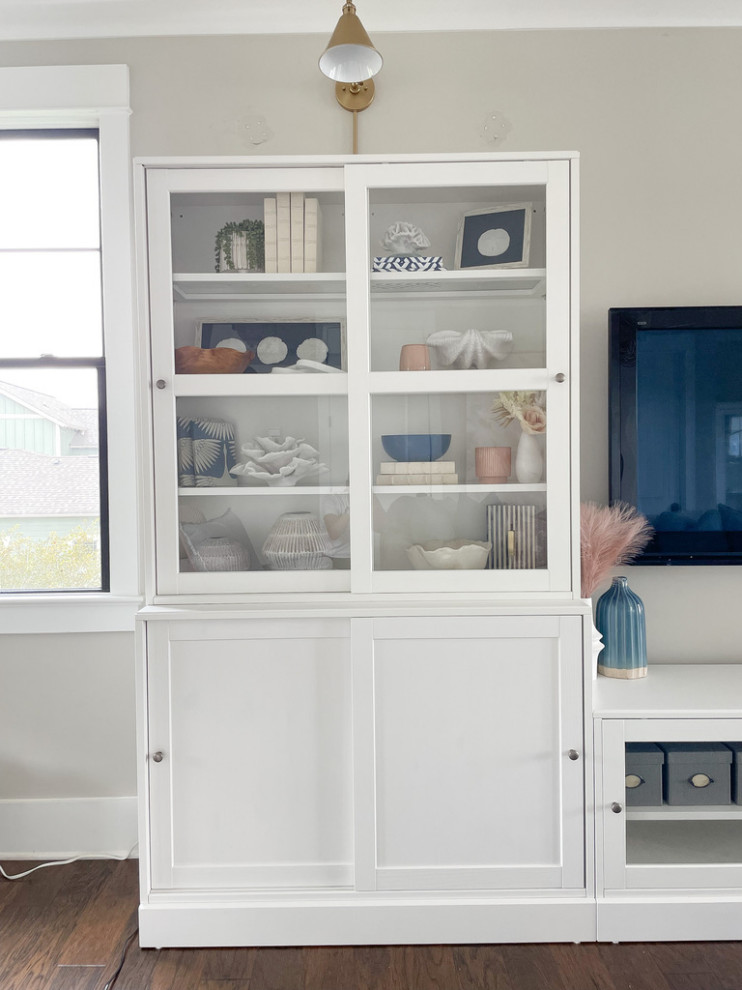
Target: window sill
{"type": "Point", "coordinates": [68, 613]}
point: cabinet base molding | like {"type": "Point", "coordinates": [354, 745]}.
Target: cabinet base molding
{"type": "Point", "coordinates": [338, 921]}
{"type": "Point", "coordinates": [662, 919]}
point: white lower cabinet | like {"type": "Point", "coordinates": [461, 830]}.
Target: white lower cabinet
{"type": "Point", "coordinates": [461, 783]}
{"type": "Point", "coordinates": [669, 868]}
{"type": "Point", "coordinates": [363, 779]}
{"type": "Point", "coordinates": [253, 722]}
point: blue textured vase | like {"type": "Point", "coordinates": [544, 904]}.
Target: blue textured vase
{"type": "Point", "coordinates": [619, 617]}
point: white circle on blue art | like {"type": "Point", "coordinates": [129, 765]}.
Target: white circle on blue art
{"type": "Point", "coordinates": [493, 242]}
{"type": "Point", "coordinates": [271, 350]}
{"type": "Point", "coordinates": [234, 343]}
{"type": "Point", "coordinates": [312, 349]}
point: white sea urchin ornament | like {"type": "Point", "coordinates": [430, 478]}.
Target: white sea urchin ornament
{"type": "Point", "coordinates": [404, 238]}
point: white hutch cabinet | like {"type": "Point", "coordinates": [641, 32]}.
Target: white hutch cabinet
{"type": "Point", "coordinates": [355, 744]}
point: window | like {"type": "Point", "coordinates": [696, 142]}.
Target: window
{"type": "Point", "coordinates": [53, 504]}
{"type": "Point", "coordinates": [67, 386]}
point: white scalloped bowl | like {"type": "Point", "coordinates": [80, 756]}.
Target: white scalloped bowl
{"type": "Point", "coordinates": [449, 555]}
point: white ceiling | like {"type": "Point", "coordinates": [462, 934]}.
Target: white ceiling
{"type": "Point", "coordinates": [48, 19]}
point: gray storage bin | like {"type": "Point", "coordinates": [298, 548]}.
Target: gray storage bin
{"type": "Point", "coordinates": [697, 773]}
{"type": "Point", "coordinates": [736, 748]}
{"type": "Point", "coordinates": [644, 774]}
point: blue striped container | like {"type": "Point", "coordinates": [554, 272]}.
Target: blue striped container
{"type": "Point", "coordinates": [619, 617]}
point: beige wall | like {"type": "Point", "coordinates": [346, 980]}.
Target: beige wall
{"type": "Point", "coordinates": [66, 716]}
{"type": "Point", "coordinates": [655, 115]}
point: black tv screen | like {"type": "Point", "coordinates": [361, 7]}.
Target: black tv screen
{"type": "Point", "coordinates": [676, 428]}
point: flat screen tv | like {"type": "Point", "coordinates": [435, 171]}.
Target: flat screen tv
{"type": "Point", "coordinates": [676, 428]}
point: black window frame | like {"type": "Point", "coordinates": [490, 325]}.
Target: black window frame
{"type": "Point", "coordinates": [51, 362]}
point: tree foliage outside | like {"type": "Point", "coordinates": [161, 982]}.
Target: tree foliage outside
{"type": "Point", "coordinates": [57, 563]}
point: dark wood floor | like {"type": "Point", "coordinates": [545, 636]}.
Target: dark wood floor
{"type": "Point", "coordinates": [64, 928]}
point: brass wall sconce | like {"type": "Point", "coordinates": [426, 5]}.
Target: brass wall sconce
{"type": "Point", "coordinates": [351, 61]}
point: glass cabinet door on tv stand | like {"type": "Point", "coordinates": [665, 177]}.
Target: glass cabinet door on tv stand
{"type": "Point", "coordinates": [404, 422]}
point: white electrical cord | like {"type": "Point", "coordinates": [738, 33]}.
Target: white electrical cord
{"type": "Point", "coordinates": [64, 862]}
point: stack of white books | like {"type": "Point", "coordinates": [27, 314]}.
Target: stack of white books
{"type": "Point", "coordinates": [417, 473]}
{"type": "Point", "coordinates": [292, 233]}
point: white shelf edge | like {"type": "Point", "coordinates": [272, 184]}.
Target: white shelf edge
{"type": "Point", "coordinates": [672, 691]}
{"type": "Point", "coordinates": [249, 582]}
{"type": "Point", "coordinates": [230, 490]}
{"type": "Point", "coordinates": [254, 386]}
{"type": "Point", "coordinates": [187, 297]}
{"type": "Point", "coordinates": [528, 281]}
{"type": "Point", "coordinates": [457, 489]}
{"type": "Point", "coordinates": [217, 490]}
{"type": "Point", "coordinates": [257, 277]}
{"type": "Point", "coordinates": [451, 380]}
{"type": "Point", "coordinates": [454, 293]}
{"type": "Point", "coordinates": [724, 812]}
{"type": "Point", "coordinates": [194, 286]}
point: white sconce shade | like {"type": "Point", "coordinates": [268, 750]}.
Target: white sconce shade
{"type": "Point", "coordinates": [350, 57]}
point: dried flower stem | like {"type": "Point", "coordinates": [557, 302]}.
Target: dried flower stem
{"type": "Point", "coordinates": [609, 535]}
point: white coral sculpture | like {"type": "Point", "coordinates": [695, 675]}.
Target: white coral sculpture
{"type": "Point", "coordinates": [472, 348]}
{"type": "Point", "coordinates": [404, 238]}
{"type": "Point", "coordinates": [279, 463]}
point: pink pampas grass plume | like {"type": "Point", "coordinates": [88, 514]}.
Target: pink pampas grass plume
{"type": "Point", "coordinates": [609, 535]}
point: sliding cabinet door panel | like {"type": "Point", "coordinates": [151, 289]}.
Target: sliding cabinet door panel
{"type": "Point", "coordinates": [473, 720]}
{"type": "Point", "coordinates": [254, 786]}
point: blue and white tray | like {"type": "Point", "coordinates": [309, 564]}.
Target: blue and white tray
{"type": "Point", "coordinates": [408, 263]}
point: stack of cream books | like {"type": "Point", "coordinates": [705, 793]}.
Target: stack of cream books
{"type": "Point", "coordinates": [417, 473]}
{"type": "Point", "coordinates": [292, 233]}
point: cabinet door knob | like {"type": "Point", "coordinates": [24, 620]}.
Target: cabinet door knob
{"type": "Point", "coordinates": [616, 808]}
{"type": "Point", "coordinates": [160, 383]}
{"type": "Point", "coordinates": [158, 757]}
{"type": "Point", "coordinates": [561, 377]}
{"type": "Point", "coordinates": [573, 754]}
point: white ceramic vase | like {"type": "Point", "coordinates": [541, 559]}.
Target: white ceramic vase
{"type": "Point", "coordinates": [596, 643]}
{"type": "Point", "coordinates": [529, 461]}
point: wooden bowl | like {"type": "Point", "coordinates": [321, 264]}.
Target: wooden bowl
{"type": "Point", "coordinates": [191, 360]}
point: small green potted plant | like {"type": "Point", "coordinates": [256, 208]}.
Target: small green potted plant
{"type": "Point", "coordinates": [240, 247]}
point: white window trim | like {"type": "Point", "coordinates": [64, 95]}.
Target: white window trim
{"type": "Point", "coordinates": [93, 96]}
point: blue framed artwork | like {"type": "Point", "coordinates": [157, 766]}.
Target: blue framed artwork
{"type": "Point", "coordinates": [497, 237]}
{"type": "Point", "coordinates": [279, 344]}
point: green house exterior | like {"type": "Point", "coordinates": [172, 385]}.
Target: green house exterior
{"type": "Point", "coordinates": [49, 474]}
{"type": "Point", "coordinates": [43, 425]}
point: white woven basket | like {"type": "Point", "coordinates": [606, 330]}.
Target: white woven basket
{"type": "Point", "coordinates": [297, 542]}
{"type": "Point", "coordinates": [221, 554]}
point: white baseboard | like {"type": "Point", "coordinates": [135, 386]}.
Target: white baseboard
{"type": "Point", "coordinates": [59, 828]}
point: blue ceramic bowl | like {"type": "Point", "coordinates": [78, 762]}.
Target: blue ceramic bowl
{"type": "Point", "coordinates": [416, 446]}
